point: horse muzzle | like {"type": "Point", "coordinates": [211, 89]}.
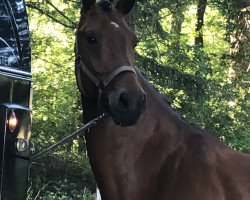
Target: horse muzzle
{"type": "Point", "coordinates": [126, 107]}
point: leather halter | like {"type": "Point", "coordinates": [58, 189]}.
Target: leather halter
{"type": "Point", "coordinates": [100, 84]}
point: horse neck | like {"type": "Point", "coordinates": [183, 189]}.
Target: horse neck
{"type": "Point", "coordinates": [159, 121]}
{"type": "Point", "coordinates": [161, 115]}
{"type": "Point", "coordinates": [117, 151]}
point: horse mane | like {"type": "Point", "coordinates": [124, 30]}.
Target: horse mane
{"type": "Point", "coordinates": [166, 100]}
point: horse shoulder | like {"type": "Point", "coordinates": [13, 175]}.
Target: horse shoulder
{"type": "Point", "coordinates": [227, 170]}
{"type": "Point", "coordinates": [206, 169]}
{"type": "Point", "coordinates": [234, 174]}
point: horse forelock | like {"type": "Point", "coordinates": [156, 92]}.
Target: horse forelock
{"type": "Point", "coordinates": [105, 5]}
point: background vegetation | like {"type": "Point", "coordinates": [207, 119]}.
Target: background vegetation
{"type": "Point", "coordinates": [197, 53]}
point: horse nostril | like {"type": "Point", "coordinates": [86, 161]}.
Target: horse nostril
{"type": "Point", "coordinates": [123, 101]}
{"type": "Point", "coordinates": [128, 103]}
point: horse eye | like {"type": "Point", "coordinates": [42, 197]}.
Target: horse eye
{"type": "Point", "coordinates": [91, 40]}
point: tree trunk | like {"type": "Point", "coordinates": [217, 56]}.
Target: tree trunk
{"type": "Point", "coordinates": [201, 8]}
{"type": "Point", "coordinates": [240, 41]}
{"type": "Point", "coordinates": [176, 24]}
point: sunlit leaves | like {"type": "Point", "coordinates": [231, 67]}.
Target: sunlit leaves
{"type": "Point", "coordinates": [204, 97]}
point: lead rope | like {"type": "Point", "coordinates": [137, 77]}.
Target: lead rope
{"type": "Point", "coordinates": [90, 124]}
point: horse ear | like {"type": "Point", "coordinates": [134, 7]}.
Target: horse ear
{"type": "Point", "coordinates": [125, 6]}
{"type": "Point", "coordinates": [87, 4]}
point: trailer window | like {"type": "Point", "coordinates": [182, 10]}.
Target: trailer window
{"type": "Point", "coordinates": [14, 36]}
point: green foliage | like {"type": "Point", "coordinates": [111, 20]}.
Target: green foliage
{"type": "Point", "coordinates": [195, 80]}
{"type": "Point", "coordinates": [62, 176]}
{"type": "Point", "coordinates": [62, 191]}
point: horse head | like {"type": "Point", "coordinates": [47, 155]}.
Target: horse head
{"type": "Point", "coordinates": [105, 50]}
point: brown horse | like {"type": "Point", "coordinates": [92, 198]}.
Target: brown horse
{"type": "Point", "coordinates": [144, 150]}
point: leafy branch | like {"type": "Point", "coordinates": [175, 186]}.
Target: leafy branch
{"type": "Point", "coordinates": [34, 6]}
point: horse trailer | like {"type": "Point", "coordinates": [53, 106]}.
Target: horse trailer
{"type": "Point", "coordinates": [15, 100]}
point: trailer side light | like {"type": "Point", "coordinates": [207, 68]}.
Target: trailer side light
{"type": "Point", "coordinates": [12, 122]}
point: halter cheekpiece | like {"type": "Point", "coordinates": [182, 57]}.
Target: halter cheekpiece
{"type": "Point", "coordinates": [100, 84]}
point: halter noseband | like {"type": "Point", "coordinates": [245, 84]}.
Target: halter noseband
{"type": "Point", "coordinates": [101, 85]}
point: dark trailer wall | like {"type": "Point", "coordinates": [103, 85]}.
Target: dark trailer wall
{"type": "Point", "coordinates": [15, 99]}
